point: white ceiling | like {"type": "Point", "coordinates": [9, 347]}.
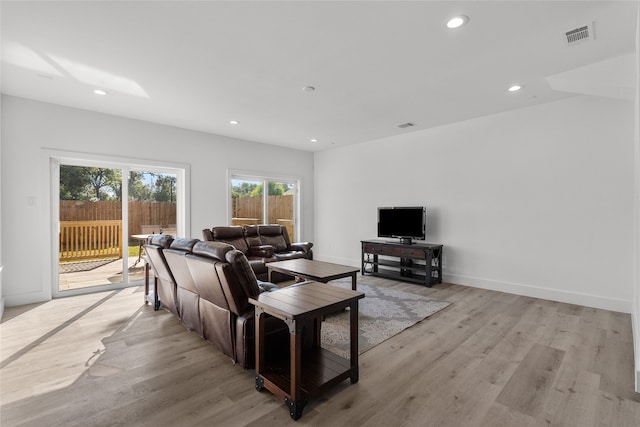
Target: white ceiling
{"type": "Point", "coordinates": [375, 65]}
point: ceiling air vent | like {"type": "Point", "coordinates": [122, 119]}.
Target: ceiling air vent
{"type": "Point", "coordinates": [580, 34]}
{"type": "Point", "coordinates": [406, 125]}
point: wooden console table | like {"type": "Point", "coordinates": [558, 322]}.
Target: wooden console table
{"type": "Point", "coordinates": [416, 262]}
{"type": "Point", "coordinates": [303, 376]}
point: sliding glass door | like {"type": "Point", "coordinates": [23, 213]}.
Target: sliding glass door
{"type": "Point", "coordinates": [104, 214]}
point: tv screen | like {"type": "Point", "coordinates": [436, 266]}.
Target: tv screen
{"type": "Point", "coordinates": [402, 222]}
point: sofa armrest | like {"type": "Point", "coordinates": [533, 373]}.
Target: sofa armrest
{"type": "Point", "coordinates": [302, 246]}
{"type": "Point", "coordinates": [262, 251]}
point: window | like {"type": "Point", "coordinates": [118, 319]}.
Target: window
{"type": "Point", "coordinates": [251, 204]}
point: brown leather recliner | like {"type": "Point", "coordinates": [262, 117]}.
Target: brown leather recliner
{"type": "Point", "coordinates": [261, 244]}
{"type": "Point", "coordinates": [224, 282]}
{"type": "Point", "coordinates": [165, 294]}
{"type": "Point", "coordinates": [187, 297]}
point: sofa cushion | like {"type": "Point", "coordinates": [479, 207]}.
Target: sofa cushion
{"type": "Point", "coordinates": [184, 244]}
{"type": "Point", "coordinates": [175, 256]}
{"type": "Point", "coordinates": [272, 235]}
{"type": "Point", "coordinates": [251, 235]}
{"type": "Point", "coordinates": [233, 235]}
{"type": "Point", "coordinates": [162, 240]}
{"type": "Point", "coordinates": [215, 250]}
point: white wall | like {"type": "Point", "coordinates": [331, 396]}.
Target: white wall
{"type": "Point", "coordinates": [30, 126]}
{"type": "Point", "coordinates": [1, 265]}
{"type": "Point", "coordinates": [636, 310]}
{"type": "Point", "coordinates": [537, 201]}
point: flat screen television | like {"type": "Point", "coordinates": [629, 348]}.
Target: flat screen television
{"type": "Point", "coordinates": [405, 223]}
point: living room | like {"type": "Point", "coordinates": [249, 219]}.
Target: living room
{"type": "Point", "coordinates": [535, 198]}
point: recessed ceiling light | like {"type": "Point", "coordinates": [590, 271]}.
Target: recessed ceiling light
{"type": "Point", "coordinates": [100, 92]}
{"type": "Point", "coordinates": [308, 89]}
{"type": "Point", "coordinates": [234, 122]}
{"type": "Point", "coordinates": [515, 88]}
{"type": "Point", "coordinates": [314, 140]}
{"type": "Point", "coordinates": [457, 21]}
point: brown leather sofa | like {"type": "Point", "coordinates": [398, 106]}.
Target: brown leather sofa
{"type": "Point", "coordinates": [208, 286]}
{"type": "Point", "coordinates": [261, 244]}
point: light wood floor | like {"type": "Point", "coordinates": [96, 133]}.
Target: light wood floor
{"type": "Point", "coordinates": [489, 359]}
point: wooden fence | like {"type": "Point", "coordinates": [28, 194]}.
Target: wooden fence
{"type": "Point", "coordinates": [90, 240]}
{"type": "Point", "coordinates": [280, 207]}
{"type": "Point", "coordinates": [161, 214]}
{"type": "Point", "coordinates": [248, 210]}
{"type": "Point", "coordinates": [91, 230]}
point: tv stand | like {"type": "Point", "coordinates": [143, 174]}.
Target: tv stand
{"type": "Point", "coordinates": [406, 241]}
{"type": "Point", "coordinates": [415, 262]}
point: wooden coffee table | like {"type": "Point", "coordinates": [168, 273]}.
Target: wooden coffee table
{"type": "Point", "coordinates": [318, 271]}
{"type": "Point", "coordinates": [302, 377]}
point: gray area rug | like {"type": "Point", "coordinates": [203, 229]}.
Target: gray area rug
{"type": "Point", "coordinates": [382, 313]}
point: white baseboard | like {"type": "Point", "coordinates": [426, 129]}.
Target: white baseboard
{"type": "Point", "coordinates": [635, 330]}
{"type": "Point", "coordinates": [1, 296]}
{"type": "Point", "coordinates": [30, 298]}
{"type": "Point", "coordinates": [595, 301]}
{"type": "Point", "coordinates": [577, 298]}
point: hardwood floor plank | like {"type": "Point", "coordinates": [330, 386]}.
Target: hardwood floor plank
{"type": "Point", "coordinates": [573, 399]}
{"type": "Point", "coordinates": [615, 364]}
{"type": "Point", "coordinates": [528, 388]}
{"type": "Point", "coordinates": [500, 415]}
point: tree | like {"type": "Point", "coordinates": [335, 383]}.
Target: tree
{"type": "Point", "coordinates": [242, 188]}
{"type": "Point", "coordinates": [275, 189]}
{"type": "Point", "coordinates": [165, 188]}
{"type": "Point", "coordinates": [138, 190]}
{"type": "Point", "coordinates": [88, 183]}
{"type": "Point", "coordinates": [73, 183]}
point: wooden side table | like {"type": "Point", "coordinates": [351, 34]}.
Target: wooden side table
{"type": "Point", "coordinates": [319, 271]}
{"type": "Point", "coordinates": [299, 378]}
